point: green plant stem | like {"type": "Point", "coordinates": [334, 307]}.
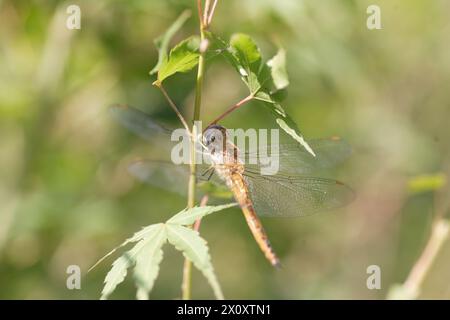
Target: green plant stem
{"type": "Point", "coordinates": [200, 75]}
{"type": "Point", "coordinates": [187, 268]}
{"type": "Point", "coordinates": [186, 285]}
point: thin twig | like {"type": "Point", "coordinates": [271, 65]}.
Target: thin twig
{"type": "Point", "coordinates": [205, 12]}
{"type": "Point", "coordinates": [440, 231]}
{"type": "Point", "coordinates": [231, 109]}
{"type": "Point", "coordinates": [439, 234]}
{"type": "Point", "coordinates": [211, 12]}
{"type": "Point", "coordinates": [203, 203]}
{"type": "Point", "coordinates": [174, 107]}
{"type": "Point", "coordinates": [200, 15]}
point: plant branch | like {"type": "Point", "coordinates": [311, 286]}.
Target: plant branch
{"type": "Point", "coordinates": [174, 107]}
{"type": "Point", "coordinates": [186, 284]}
{"type": "Point", "coordinates": [211, 12]}
{"type": "Point", "coordinates": [203, 203]}
{"type": "Point", "coordinates": [200, 10]}
{"type": "Point", "coordinates": [205, 12]}
{"type": "Point", "coordinates": [231, 109]}
{"type": "Point", "coordinates": [439, 234]}
{"type": "Point", "coordinates": [187, 269]}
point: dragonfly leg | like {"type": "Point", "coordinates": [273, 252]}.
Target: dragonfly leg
{"type": "Point", "coordinates": [210, 170]}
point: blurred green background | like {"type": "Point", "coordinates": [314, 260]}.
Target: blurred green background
{"type": "Point", "coordinates": [65, 194]}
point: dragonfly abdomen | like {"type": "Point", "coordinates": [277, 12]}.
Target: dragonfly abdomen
{"type": "Point", "coordinates": [237, 184]}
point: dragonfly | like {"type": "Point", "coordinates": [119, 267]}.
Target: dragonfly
{"type": "Point", "coordinates": [294, 191]}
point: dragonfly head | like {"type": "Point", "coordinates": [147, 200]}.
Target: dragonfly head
{"type": "Point", "coordinates": [214, 138]}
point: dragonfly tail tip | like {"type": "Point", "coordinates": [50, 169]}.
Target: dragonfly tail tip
{"type": "Point", "coordinates": [276, 264]}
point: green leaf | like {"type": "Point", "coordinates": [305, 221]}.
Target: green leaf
{"type": "Point", "coordinates": [182, 58]}
{"type": "Point", "coordinates": [115, 276]}
{"type": "Point", "coordinates": [219, 45]}
{"type": "Point", "coordinates": [118, 271]}
{"type": "Point", "coordinates": [247, 59]}
{"type": "Point", "coordinates": [135, 238]}
{"type": "Point", "coordinates": [283, 119]}
{"type": "Point", "coordinates": [243, 54]}
{"type": "Point", "coordinates": [246, 49]}
{"type": "Point", "coordinates": [147, 263]}
{"type": "Point", "coordinates": [146, 255]}
{"type": "Point", "coordinates": [162, 42]}
{"type": "Point", "coordinates": [288, 125]}
{"type": "Point", "coordinates": [195, 249]}
{"type": "Point", "coordinates": [189, 216]}
{"type": "Point", "coordinates": [278, 70]}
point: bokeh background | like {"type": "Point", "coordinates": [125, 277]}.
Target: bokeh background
{"type": "Point", "coordinates": [66, 197]}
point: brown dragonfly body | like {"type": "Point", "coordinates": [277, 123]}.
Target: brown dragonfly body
{"type": "Point", "coordinates": [229, 168]}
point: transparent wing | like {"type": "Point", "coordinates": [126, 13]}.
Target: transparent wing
{"type": "Point", "coordinates": [294, 196]}
{"type": "Point", "coordinates": [139, 122]}
{"type": "Point", "coordinates": [147, 128]}
{"type": "Point", "coordinates": [175, 178]}
{"type": "Point", "coordinates": [293, 158]}
{"type": "Point", "coordinates": [161, 174]}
